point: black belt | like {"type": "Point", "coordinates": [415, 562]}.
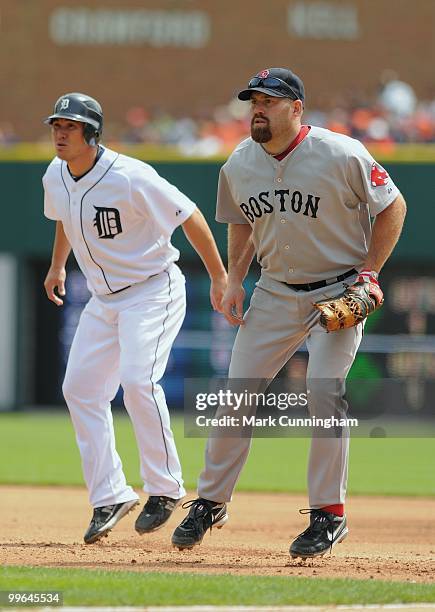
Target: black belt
{"type": "Point", "coordinates": [128, 286]}
{"type": "Point", "coordinates": [322, 283]}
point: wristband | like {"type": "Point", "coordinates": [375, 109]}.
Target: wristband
{"type": "Point", "coordinates": [369, 276]}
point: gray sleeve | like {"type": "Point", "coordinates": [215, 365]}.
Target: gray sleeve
{"type": "Point", "coordinates": [370, 181]}
{"type": "Point", "coordinates": [227, 209]}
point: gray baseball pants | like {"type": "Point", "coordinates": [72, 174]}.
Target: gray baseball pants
{"type": "Point", "coordinates": [278, 321]}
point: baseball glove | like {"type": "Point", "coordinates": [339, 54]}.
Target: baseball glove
{"type": "Point", "coordinates": [352, 306]}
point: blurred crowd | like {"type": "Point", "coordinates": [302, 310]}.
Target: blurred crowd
{"type": "Point", "coordinates": [393, 114]}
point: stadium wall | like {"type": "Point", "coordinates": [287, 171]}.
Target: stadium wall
{"type": "Point", "coordinates": [25, 232]}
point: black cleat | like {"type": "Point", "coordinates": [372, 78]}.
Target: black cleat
{"type": "Point", "coordinates": [325, 531]}
{"type": "Point", "coordinates": [203, 515]}
{"type": "Point", "coordinates": [155, 513]}
{"type": "Point", "coordinates": [105, 518]}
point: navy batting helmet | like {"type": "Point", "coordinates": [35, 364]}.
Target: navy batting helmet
{"type": "Point", "coordinates": [83, 108]}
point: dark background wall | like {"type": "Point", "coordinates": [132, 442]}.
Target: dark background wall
{"type": "Point", "coordinates": [399, 340]}
{"type": "Point", "coordinates": [26, 232]}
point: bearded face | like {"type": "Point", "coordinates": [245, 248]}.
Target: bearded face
{"type": "Point", "coordinates": [260, 129]}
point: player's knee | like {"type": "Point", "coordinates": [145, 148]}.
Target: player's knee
{"type": "Point", "coordinates": [69, 386]}
{"type": "Point", "coordinates": [74, 392]}
{"type": "Point", "coordinates": [78, 387]}
{"type": "Point", "coordinates": [325, 397]}
{"type": "Point", "coordinates": [136, 381]}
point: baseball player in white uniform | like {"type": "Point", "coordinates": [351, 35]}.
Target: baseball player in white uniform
{"type": "Point", "coordinates": [117, 215]}
{"type": "Point", "coordinates": [301, 198]}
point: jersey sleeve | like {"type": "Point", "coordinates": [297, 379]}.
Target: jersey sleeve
{"type": "Point", "coordinates": [154, 196]}
{"type": "Point", "coordinates": [50, 210]}
{"type": "Point", "coordinates": [227, 209]}
{"type": "Point", "coordinates": [370, 181]}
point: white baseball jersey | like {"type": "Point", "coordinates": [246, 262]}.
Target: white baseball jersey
{"type": "Point", "coordinates": [118, 218]}
{"type": "Point", "coordinates": [310, 213]}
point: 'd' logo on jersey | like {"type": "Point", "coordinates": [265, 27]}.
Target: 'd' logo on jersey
{"type": "Point", "coordinates": [108, 222]}
{"type": "Point", "coordinates": [378, 176]}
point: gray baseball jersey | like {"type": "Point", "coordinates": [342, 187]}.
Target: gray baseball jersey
{"type": "Point", "coordinates": [310, 213]}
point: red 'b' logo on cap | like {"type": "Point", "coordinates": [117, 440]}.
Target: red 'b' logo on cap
{"type": "Point", "coordinates": [378, 176]}
{"type": "Point", "coordinates": [263, 74]}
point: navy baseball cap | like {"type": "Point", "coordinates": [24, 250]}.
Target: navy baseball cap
{"type": "Point", "coordinates": [277, 82]}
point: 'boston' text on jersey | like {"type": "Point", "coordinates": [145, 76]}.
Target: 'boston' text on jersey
{"type": "Point", "coordinates": [296, 202]}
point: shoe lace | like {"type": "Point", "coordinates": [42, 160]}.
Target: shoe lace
{"type": "Point", "coordinates": [200, 513]}
{"type": "Point", "coordinates": [318, 519]}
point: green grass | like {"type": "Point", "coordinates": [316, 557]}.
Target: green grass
{"type": "Point", "coordinates": [39, 448]}
{"type": "Point", "coordinates": [92, 587]}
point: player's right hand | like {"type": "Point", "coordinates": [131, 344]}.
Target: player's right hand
{"type": "Point", "coordinates": [232, 304]}
{"type": "Point", "coordinates": [55, 279]}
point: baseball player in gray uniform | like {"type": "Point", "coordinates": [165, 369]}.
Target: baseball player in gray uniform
{"type": "Point", "coordinates": [117, 215]}
{"type": "Point", "coordinates": [302, 199]}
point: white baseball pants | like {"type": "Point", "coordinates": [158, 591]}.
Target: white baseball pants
{"type": "Point", "coordinates": [126, 339]}
{"type": "Point", "coordinates": [277, 322]}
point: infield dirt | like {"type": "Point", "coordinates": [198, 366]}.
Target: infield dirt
{"type": "Point", "coordinates": [389, 538]}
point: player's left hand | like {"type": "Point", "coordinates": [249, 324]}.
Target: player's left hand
{"type": "Point", "coordinates": [217, 290]}
{"type": "Point", "coordinates": [352, 306]}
